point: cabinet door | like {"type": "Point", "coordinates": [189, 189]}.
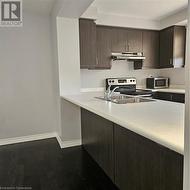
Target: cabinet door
{"type": "Point", "coordinates": [179, 45]}
{"type": "Point", "coordinates": [166, 47]}
{"type": "Point", "coordinates": [163, 96]}
{"type": "Point", "coordinates": [103, 47]}
{"type": "Point", "coordinates": [137, 164]}
{"type": "Point", "coordinates": [97, 139]}
{"type": "Point", "coordinates": [151, 49]}
{"type": "Point", "coordinates": [134, 40]}
{"type": "Point", "coordinates": [143, 164]}
{"type": "Point", "coordinates": [172, 170]}
{"type": "Point", "coordinates": [87, 32]}
{"type": "Point", "coordinates": [178, 98]}
{"type": "Point", "coordinates": [119, 40]}
{"type": "Point", "coordinates": [174, 97]}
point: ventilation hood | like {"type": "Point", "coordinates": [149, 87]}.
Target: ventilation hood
{"type": "Point", "coordinates": [128, 56]}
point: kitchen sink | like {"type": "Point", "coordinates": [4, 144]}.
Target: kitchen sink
{"type": "Point", "coordinates": [131, 100]}
{"type": "Point", "coordinates": [125, 99]}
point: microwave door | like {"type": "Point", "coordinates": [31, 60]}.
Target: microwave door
{"type": "Point", "coordinates": [161, 83]}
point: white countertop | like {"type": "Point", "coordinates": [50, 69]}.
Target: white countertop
{"type": "Point", "coordinates": [173, 89]}
{"type": "Point", "coordinates": [160, 121]}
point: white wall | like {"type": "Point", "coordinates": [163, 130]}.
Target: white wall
{"type": "Point", "coordinates": [73, 8]}
{"type": "Point", "coordinates": [173, 19]}
{"type": "Point", "coordinates": [69, 76]}
{"type": "Point", "coordinates": [71, 122]}
{"type": "Point", "coordinates": [55, 67]}
{"type": "Point", "coordinates": [66, 56]}
{"type": "Point", "coordinates": [177, 76]}
{"type": "Point", "coordinates": [27, 96]}
{"type": "Point", "coordinates": [96, 78]}
{"type": "Point", "coordinates": [124, 21]}
{"type": "Point", "coordinates": [69, 58]}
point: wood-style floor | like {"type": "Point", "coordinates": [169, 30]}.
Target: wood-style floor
{"type": "Point", "coordinates": [42, 165]}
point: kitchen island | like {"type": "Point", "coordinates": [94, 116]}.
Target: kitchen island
{"type": "Point", "coordinates": [139, 146]}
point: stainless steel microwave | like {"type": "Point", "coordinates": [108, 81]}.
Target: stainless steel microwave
{"type": "Point", "coordinates": [159, 82]}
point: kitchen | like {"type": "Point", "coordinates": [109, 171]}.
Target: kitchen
{"type": "Point", "coordinates": [97, 92]}
{"type": "Point", "coordinates": [132, 139]}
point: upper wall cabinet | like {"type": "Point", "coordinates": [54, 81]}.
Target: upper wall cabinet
{"type": "Point", "coordinates": [134, 40]}
{"type": "Point", "coordinates": [172, 47]}
{"type": "Point", "coordinates": [151, 48]}
{"type": "Point", "coordinates": [126, 40]}
{"type": "Point", "coordinates": [103, 43]}
{"type": "Point", "coordinates": [162, 49]}
{"type": "Point", "coordinates": [87, 32]}
{"type": "Point", "coordinates": [95, 45]}
{"type": "Point", "coordinates": [118, 39]}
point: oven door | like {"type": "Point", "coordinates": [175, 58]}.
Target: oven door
{"type": "Point", "coordinates": [161, 83]}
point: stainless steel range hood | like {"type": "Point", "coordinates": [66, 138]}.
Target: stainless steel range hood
{"type": "Point", "coordinates": [128, 56]}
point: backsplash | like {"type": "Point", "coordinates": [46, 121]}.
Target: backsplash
{"type": "Point", "coordinates": [177, 76]}
{"type": "Point", "coordinates": [96, 78]}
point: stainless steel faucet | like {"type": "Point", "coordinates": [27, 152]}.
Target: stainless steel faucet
{"type": "Point", "coordinates": [108, 93]}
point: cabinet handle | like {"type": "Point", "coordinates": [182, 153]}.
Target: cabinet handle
{"type": "Point", "coordinates": [171, 61]}
{"type": "Point", "coordinates": [96, 60]}
{"type": "Point", "coordinates": [171, 97]}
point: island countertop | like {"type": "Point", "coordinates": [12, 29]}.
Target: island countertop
{"type": "Point", "coordinates": [159, 121]}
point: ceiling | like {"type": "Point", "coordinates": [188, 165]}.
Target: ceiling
{"type": "Point", "coordinates": [145, 9]}
{"type": "Point", "coordinates": [40, 6]}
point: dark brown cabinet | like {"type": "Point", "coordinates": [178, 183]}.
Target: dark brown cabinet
{"type": "Point", "coordinates": [130, 160]}
{"type": "Point", "coordinates": [173, 97]}
{"type": "Point", "coordinates": [162, 49]}
{"type": "Point", "coordinates": [87, 33]}
{"type": "Point", "coordinates": [171, 170]}
{"type": "Point", "coordinates": [97, 139]}
{"type": "Point", "coordinates": [151, 48]}
{"type": "Point", "coordinates": [166, 48]}
{"type": "Point", "coordinates": [118, 39]}
{"type": "Point", "coordinates": [103, 45]}
{"type": "Point", "coordinates": [126, 40]}
{"type": "Point", "coordinates": [172, 47]}
{"type": "Point", "coordinates": [143, 164]}
{"type": "Point", "coordinates": [137, 165]}
{"type": "Point", "coordinates": [95, 45]}
{"type": "Point", "coordinates": [134, 40]}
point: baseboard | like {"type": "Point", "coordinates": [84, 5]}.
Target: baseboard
{"type": "Point", "coordinates": [22, 139]}
{"type": "Point", "coordinates": [67, 144]}
{"type": "Point", "coordinates": [62, 144]}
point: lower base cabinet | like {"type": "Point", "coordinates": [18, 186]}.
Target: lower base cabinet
{"type": "Point", "coordinates": [173, 97]}
{"type": "Point", "coordinates": [97, 139]}
{"type": "Point", "coordinates": [145, 165]}
{"type": "Point", "coordinates": [132, 161]}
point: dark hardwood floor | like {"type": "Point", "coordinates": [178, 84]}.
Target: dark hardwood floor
{"type": "Point", "coordinates": [42, 165]}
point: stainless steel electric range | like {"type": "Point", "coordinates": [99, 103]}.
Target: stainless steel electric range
{"type": "Point", "coordinates": [127, 86]}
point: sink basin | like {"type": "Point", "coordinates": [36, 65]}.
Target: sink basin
{"type": "Point", "coordinates": [125, 99]}
{"type": "Point", "coordinates": [131, 100]}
